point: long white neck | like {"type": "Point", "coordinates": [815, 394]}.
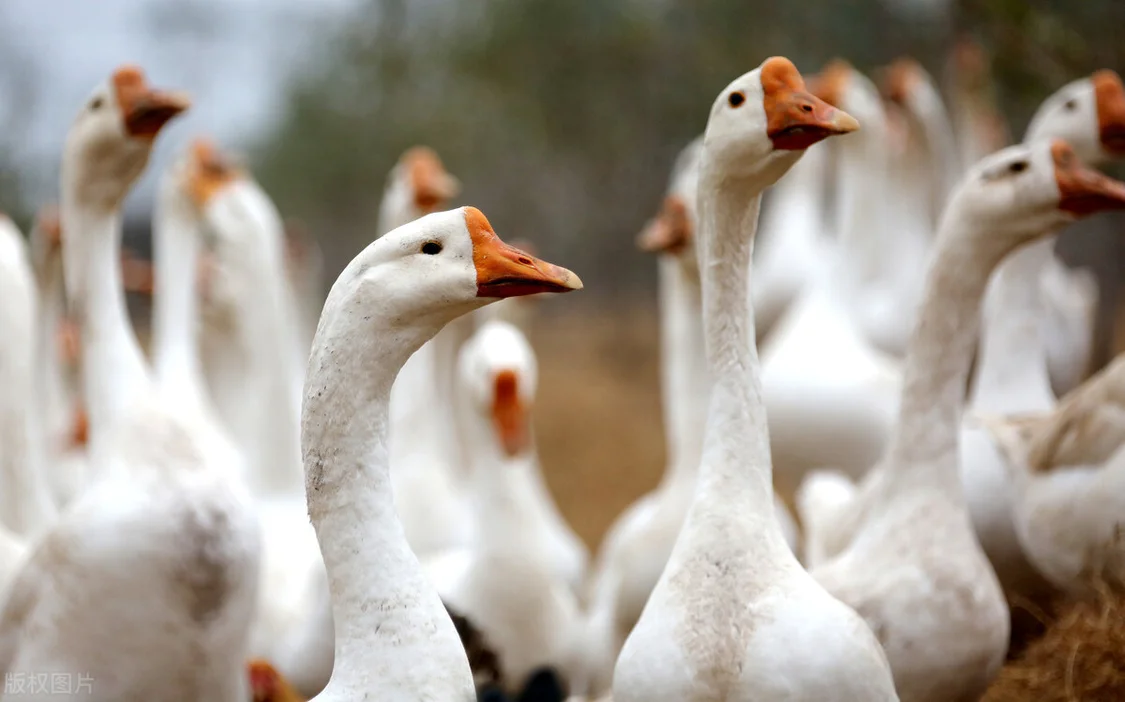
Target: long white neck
{"type": "Point", "coordinates": [26, 501]}
{"type": "Point", "coordinates": [380, 596]}
{"type": "Point", "coordinates": [176, 315]}
{"type": "Point", "coordinates": [942, 149]}
{"type": "Point", "coordinates": [1012, 359]}
{"type": "Point", "coordinates": [868, 254]}
{"type": "Point", "coordinates": [503, 502]}
{"type": "Point", "coordinates": [53, 390]}
{"type": "Point", "coordinates": [736, 476]}
{"type": "Point", "coordinates": [115, 373]}
{"type": "Point", "coordinates": [684, 380]}
{"type": "Point", "coordinates": [267, 324]}
{"type": "Point", "coordinates": [923, 448]}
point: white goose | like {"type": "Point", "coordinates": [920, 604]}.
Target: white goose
{"type": "Point", "coordinates": [426, 457]}
{"type": "Point", "coordinates": [921, 176]}
{"type": "Point", "coordinates": [510, 587]}
{"type": "Point", "coordinates": [794, 249]}
{"type": "Point", "coordinates": [1017, 332]}
{"type": "Point", "coordinates": [638, 544]}
{"type": "Point", "coordinates": [247, 246]}
{"type": "Point", "coordinates": [394, 639]}
{"type": "Point", "coordinates": [734, 616]}
{"type": "Point", "coordinates": [1089, 113]}
{"type": "Point", "coordinates": [830, 394]}
{"type": "Point", "coordinates": [161, 538]}
{"type": "Point", "coordinates": [27, 507]}
{"type": "Point", "coordinates": [61, 411]}
{"type": "Point", "coordinates": [914, 568]}
{"type": "Point", "coordinates": [1068, 470]}
{"type": "Point", "coordinates": [978, 124]}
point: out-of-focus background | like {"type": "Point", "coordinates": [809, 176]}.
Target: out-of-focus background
{"type": "Point", "coordinates": [561, 118]}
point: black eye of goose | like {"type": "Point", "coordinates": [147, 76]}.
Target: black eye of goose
{"type": "Point", "coordinates": [431, 248]}
{"type": "Point", "coordinates": [736, 99]}
{"type": "Point", "coordinates": [1018, 167]}
{"type": "Point", "coordinates": [1071, 105]}
{"type": "Point", "coordinates": [96, 103]}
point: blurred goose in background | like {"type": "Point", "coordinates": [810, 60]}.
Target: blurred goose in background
{"type": "Point", "coordinates": [1088, 106]}
{"type": "Point", "coordinates": [1012, 374]}
{"type": "Point", "coordinates": [830, 395]}
{"type": "Point", "coordinates": [509, 587]}
{"type": "Point", "coordinates": [427, 437]}
{"type": "Point", "coordinates": [734, 616]}
{"type": "Point", "coordinates": [247, 248]}
{"type": "Point", "coordinates": [27, 506]}
{"type": "Point", "coordinates": [427, 462]}
{"type": "Point", "coordinates": [162, 539]}
{"type": "Point", "coordinates": [637, 545]}
{"type": "Point", "coordinates": [394, 639]}
{"type": "Point", "coordinates": [922, 171]}
{"type": "Point", "coordinates": [60, 408]}
{"type": "Point", "coordinates": [304, 268]}
{"type": "Point", "coordinates": [913, 566]}
{"type": "Point", "coordinates": [1068, 472]}
{"type": "Point", "coordinates": [794, 250]}
{"type": "Point", "coordinates": [978, 124]}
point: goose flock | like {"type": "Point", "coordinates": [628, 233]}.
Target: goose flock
{"type": "Point", "coordinates": [879, 425]}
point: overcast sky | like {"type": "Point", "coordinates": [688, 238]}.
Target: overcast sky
{"type": "Point", "coordinates": [232, 56]}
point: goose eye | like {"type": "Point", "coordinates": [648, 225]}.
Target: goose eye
{"type": "Point", "coordinates": [431, 248]}
{"type": "Point", "coordinates": [736, 99]}
{"type": "Point", "coordinates": [1018, 167]}
{"type": "Point", "coordinates": [96, 103]}
{"type": "Point", "coordinates": [1071, 105]}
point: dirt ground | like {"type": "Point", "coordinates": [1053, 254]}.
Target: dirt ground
{"type": "Point", "coordinates": [597, 415]}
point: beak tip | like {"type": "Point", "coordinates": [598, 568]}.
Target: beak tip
{"type": "Point", "coordinates": [846, 123]}
{"type": "Point", "coordinates": [572, 281]}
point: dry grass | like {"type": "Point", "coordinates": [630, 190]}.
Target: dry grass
{"type": "Point", "coordinates": [597, 418]}
{"type": "Point", "coordinates": [1080, 658]}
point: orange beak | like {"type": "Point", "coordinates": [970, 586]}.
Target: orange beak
{"type": "Point", "coordinates": [509, 415]}
{"type": "Point", "coordinates": [796, 119]}
{"type": "Point", "coordinates": [210, 172]}
{"type": "Point", "coordinates": [145, 110]}
{"type": "Point", "coordinates": [50, 225]}
{"type": "Point", "coordinates": [69, 342]}
{"type": "Point", "coordinates": [432, 185]}
{"type": "Point", "coordinates": [899, 80]}
{"type": "Point", "coordinates": [1110, 97]}
{"type": "Point", "coordinates": [505, 271]}
{"type": "Point", "coordinates": [670, 231]}
{"type": "Point", "coordinates": [80, 432]}
{"type": "Point", "coordinates": [267, 685]}
{"type": "Point", "coordinates": [136, 274]}
{"type": "Point", "coordinates": [1084, 190]}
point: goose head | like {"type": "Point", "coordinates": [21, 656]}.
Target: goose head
{"type": "Point", "coordinates": [969, 66]}
{"type": "Point", "coordinates": [671, 231]}
{"type": "Point", "coordinates": [423, 275]}
{"type": "Point", "coordinates": [764, 120]}
{"type": "Point", "coordinates": [839, 84]}
{"type": "Point", "coordinates": [109, 143]}
{"type": "Point", "coordinates": [911, 88]}
{"type": "Point", "coordinates": [1089, 113]}
{"type": "Point", "coordinates": [418, 185]}
{"type": "Point", "coordinates": [1028, 190]}
{"type": "Point", "coordinates": [498, 373]}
